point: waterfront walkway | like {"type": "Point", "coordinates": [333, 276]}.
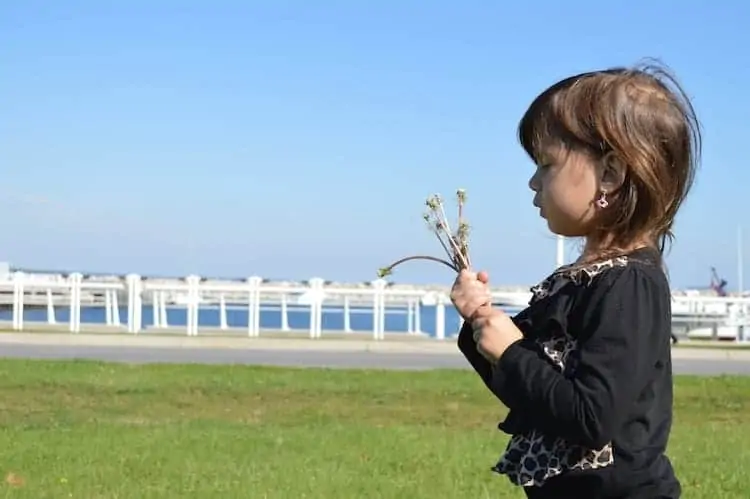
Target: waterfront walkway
{"type": "Point", "coordinates": [329, 354]}
{"type": "Point", "coordinates": [343, 343]}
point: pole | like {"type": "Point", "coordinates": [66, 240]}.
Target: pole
{"type": "Point", "coordinates": [740, 263]}
{"type": "Point", "coordinates": [560, 251]}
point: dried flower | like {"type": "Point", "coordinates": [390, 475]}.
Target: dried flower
{"type": "Point", "coordinates": [384, 271]}
{"type": "Point", "coordinates": [455, 245]}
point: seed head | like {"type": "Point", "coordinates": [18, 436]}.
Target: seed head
{"type": "Point", "coordinates": [384, 271]}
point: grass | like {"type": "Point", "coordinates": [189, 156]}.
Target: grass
{"type": "Point", "coordinates": [95, 430]}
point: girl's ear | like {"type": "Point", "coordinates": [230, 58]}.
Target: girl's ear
{"type": "Point", "coordinates": [612, 173]}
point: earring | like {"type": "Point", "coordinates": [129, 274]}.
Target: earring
{"type": "Point", "coordinates": [602, 201]}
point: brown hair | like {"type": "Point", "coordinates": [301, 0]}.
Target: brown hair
{"type": "Point", "coordinates": [639, 116]}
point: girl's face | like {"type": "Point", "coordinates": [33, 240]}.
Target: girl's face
{"type": "Point", "coordinates": [566, 188]}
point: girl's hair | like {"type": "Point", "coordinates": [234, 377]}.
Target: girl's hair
{"type": "Point", "coordinates": [637, 116]}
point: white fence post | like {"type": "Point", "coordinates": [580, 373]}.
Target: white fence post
{"type": "Point", "coordinates": [222, 312]}
{"type": "Point", "coordinates": [317, 296]}
{"type": "Point", "coordinates": [378, 311]}
{"type": "Point", "coordinates": [418, 316]}
{"type": "Point", "coordinates": [347, 315]}
{"type": "Point", "coordinates": [113, 307]}
{"type": "Point", "coordinates": [135, 303]}
{"type": "Point", "coordinates": [193, 304]}
{"type": "Point", "coordinates": [163, 309]}
{"type": "Point", "coordinates": [440, 317]}
{"type": "Point", "coordinates": [284, 310]}
{"type": "Point", "coordinates": [18, 296]}
{"type": "Point", "coordinates": [253, 306]}
{"type": "Point", "coordinates": [75, 280]}
{"type": "Point", "coordinates": [51, 319]}
{"type": "Point", "coordinates": [156, 308]}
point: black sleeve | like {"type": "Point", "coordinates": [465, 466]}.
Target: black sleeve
{"type": "Point", "coordinates": [482, 366]}
{"type": "Point", "coordinates": [468, 348]}
{"type": "Point", "coordinates": [627, 313]}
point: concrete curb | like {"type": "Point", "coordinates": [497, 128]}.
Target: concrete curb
{"type": "Point", "coordinates": [144, 341]}
{"type": "Point", "coordinates": [436, 347]}
{"type": "Point", "coordinates": [703, 353]}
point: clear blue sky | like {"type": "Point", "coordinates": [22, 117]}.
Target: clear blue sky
{"type": "Point", "coordinates": [293, 139]}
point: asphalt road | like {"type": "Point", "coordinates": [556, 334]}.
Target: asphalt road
{"type": "Point", "coordinates": [304, 358]}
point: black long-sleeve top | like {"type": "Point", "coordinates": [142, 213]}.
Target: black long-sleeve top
{"type": "Point", "coordinates": [589, 387]}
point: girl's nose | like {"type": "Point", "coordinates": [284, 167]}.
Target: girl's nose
{"type": "Point", "coordinates": [534, 183]}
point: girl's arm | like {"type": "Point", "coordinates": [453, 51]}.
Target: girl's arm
{"type": "Point", "coordinates": [468, 348]}
{"type": "Point", "coordinates": [625, 331]}
{"type": "Point", "coordinates": [482, 366]}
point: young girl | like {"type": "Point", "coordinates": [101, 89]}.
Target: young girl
{"type": "Point", "coordinates": [586, 369]}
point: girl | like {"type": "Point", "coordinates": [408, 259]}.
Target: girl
{"type": "Point", "coordinates": [586, 369]}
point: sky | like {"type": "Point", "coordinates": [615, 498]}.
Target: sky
{"type": "Point", "coordinates": [298, 139]}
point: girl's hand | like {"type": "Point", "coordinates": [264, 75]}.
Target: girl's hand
{"type": "Point", "coordinates": [470, 292]}
{"type": "Point", "coordinates": [494, 332]}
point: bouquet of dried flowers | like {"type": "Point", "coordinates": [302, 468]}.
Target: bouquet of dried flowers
{"type": "Point", "coordinates": [455, 244]}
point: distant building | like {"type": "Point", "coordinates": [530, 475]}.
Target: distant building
{"type": "Point", "coordinates": [4, 270]}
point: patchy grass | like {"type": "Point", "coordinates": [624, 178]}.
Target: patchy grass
{"type": "Point", "coordinates": [96, 430]}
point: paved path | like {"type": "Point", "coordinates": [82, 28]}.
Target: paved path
{"type": "Point", "coordinates": [301, 353]}
{"type": "Point", "coordinates": [308, 358]}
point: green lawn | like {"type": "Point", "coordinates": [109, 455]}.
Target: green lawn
{"type": "Point", "coordinates": [93, 430]}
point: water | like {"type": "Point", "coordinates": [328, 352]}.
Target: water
{"type": "Point", "coordinates": [361, 319]}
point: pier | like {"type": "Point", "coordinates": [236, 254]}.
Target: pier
{"type": "Point", "coordinates": [313, 309]}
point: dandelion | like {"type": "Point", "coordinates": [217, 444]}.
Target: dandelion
{"type": "Point", "coordinates": [384, 271]}
{"type": "Point", "coordinates": [455, 245]}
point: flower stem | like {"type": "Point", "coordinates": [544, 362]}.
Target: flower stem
{"type": "Point", "coordinates": [458, 255]}
{"type": "Point", "coordinates": [445, 246]}
{"type": "Point", "coordinates": [387, 270]}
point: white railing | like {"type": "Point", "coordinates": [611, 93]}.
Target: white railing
{"type": "Point", "coordinates": [191, 294]}
{"type": "Point", "coordinates": [21, 292]}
